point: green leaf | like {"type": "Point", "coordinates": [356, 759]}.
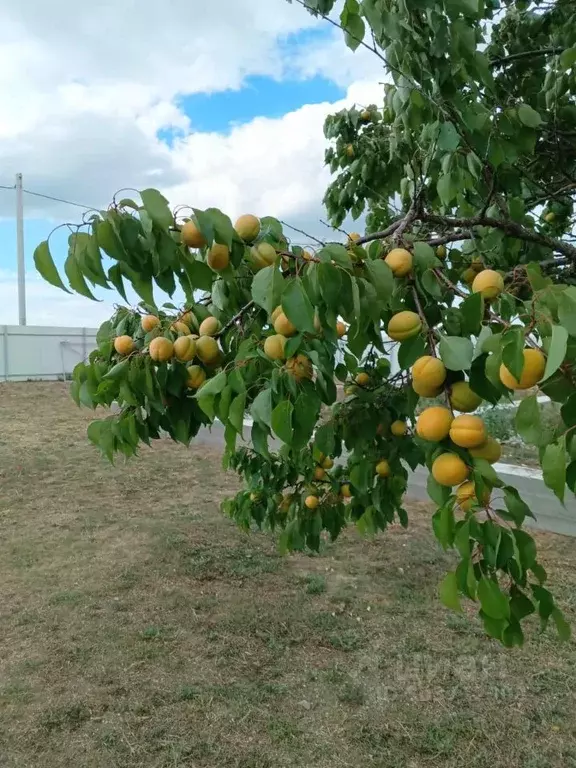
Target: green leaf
{"type": "Point", "coordinates": [494, 603]}
{"type": "Point", "coordinates": [449, 593]}
{"type": "Point", "coordinates": [236, 412]}
{"type": "Point", "coordinates": [448, 138]}
{"type": "Point", "coordinates": [526, 548]}
{"type": "Point", "coordinates": [354, 31]}
{"type": "Point", "coordinates": [568, 58]}
{"type": "Point", "coordinates": [517, 508]}
{"type": "Point", "coordinates": [259, 437]}
{"type": "Point", "coordinates": [445, 188]}
{"type": "Point", "coordinates": [115, 277]}
{"type": "Point", "coordinates": [76, 278]}
{"type": "Point", "coordinates": [330, 280]}
{"type": "Point", "coordinates": [556, 351]}
{"type": "Point", "coordinates": [528, 422]}
{"type": "Point", "coordinates": [425, 257]}
{"type": "Point", "coordinates": [567, 309]}
{"type": "Point", "coordinates": [381, 277]}
{"type": "Point", "coordinates": [337, 253]}
{"type": "Point", "coordinates": [472, 310]}
{"type": "Point", "coordinates": [281, 421]}
{"type": "Point", "coordinates": [267, 287]}
{"type": "Point", "coordinates": [410, 350]}
{"type": "Point", "coordinates": [444, 525]}
{"type": "Point", "coordinates": [45, 265]}
{"type": "Point", "coordinates": [224, 232]}
{"type": "Point", "coordinates": [200, 274]}
{"type": "Point", "coordinates": [118, 371]}
{"type": "Point", "coordinates": [562, 626]}
{"type": "Point", "coordinates": [438, 493]}
{"type": "Point", "coordinates": [212, 386]}
{"type": "Point", "coordinates": [157, 208]}
{"type": "Point", "coordinates": [529, 116]}
{"type": "Point", "coordinates": [297, 306]}
{"type": "Point", "coordinates": [261, 408]}
{"type": "Point", "coordinates": [456, 353]}
{"type": "Point", "coordinates": [554, 468]}
{"type": "Point", "coordinates": [513, 351]}
{"type": "Point", "coordinates": [324, 439]}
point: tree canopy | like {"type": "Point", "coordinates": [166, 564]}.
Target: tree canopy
{"type": "Point", "coordinates": [466, 176]}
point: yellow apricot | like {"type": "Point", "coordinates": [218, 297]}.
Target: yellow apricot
{"type": "Point", "coordinates": [491, 450]}
{"type": "Point", "coordinates": [124, 345]}
{"type": "Point", "coordinates": [404, 325]}
{"type": "Point", "coordinates": [430, 371]}
{"type": "Point", "coordinates": [207, 349]}
{"type": "Point", "coordinates": [283, 326]}
{"type": "Point", "coordinates": [433, 424]}
{"type": "Point", "coordinates": [149, 322]}
{"type": "Point", "coordinates": [161, 349]}
{"type": "Point", "coordinates": [532, 372]}
{"type": "Point", "coordinates": [274, 347]}
{"type": "Point", "coordinates": [400, 261]}
{"type": "Point", "coordinates": [209, 327]}
{"type": "Point", "coordinates": [489, 283]}
{"type": "Point", "coordinates": [196, 377]}
{"type": "Point", "coordinates": [247, 227]}
{"type": "Point", "coordinates": [468, 431]}
{"type": "Point", "coordinates": [449, 469]}
{"type": "Point", "coordinates": [383, 468]}
{"type": "Point", "coordinates": [191, 235]}
{"type": "Point", "coordinates": [218, 257]}
{"type": "Point", "coordinates": [185, 348]}
{"type": "Point", "coordinates": [462, 398]}
{"type": "Point", "coordinates": [398, 428]}
{"type": "Point", "coordinates": [466, 496]}
{"type": "Point", "coordinates": [300, 367]}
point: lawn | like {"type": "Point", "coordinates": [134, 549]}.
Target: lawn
{"type": "Point", "coordinates": [141, 628]}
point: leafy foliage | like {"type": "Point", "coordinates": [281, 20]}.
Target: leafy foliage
{"type": "Point", "coordinates": [476, 143]}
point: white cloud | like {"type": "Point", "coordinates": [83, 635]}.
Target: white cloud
{"type": "Point", "coordinates": [84, 91]}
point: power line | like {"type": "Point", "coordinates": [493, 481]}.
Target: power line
{"type": "Point", "coordinates": [57, 199]}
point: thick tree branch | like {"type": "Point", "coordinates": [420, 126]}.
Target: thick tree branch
{"type": "Point", "coordinates": [500, 61]}
{"type": "Point", "coordinates": [382, 235]}
{"type": "Point", "coordinates": [511, 228]}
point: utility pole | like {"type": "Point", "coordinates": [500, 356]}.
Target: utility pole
{"type": "Point", "coordinates": [20, 251]}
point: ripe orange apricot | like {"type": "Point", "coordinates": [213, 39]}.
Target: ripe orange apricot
{"type": "Point", "coordinates": [534, 366]}
{"type": "Point", "coordinates": [400, 261]}
{"type": "Point", "coordinates": [468, 431]}
{"type": "Point", "coordinates": [449, 469]}
{"type": "Point", "coordinates": [404, 325]}
{"type": "Point", "coordinates": [161, 349]}
{"type": "Point", "coordinates": [433, 424]}
{"type": "Point", "coordinates": [124, 345]}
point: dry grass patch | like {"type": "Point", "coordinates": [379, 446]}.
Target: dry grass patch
{"type": "Point", "coordinates": [141, 628]}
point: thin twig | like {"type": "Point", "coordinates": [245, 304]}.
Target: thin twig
{"type": "Point", "coordinates": [301, 231]}
{"type": "Point", "coordinates": [236, 317]}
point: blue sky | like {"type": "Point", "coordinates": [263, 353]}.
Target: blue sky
{"type": "Point", "coordinates": [233, 119]}
{"type": "Point", "coordinates": [218, 112]}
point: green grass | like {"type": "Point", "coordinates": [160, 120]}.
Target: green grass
{"type": "Point", "coordinates": [142, 629]}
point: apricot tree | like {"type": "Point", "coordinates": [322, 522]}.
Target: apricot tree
{"type": "Point", "coordinates": [466, 176]}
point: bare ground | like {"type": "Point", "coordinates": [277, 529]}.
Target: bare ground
{"type": "Point", "coordinates": [141, 628]}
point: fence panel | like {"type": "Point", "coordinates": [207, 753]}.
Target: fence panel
{"type": "Point", "coordinates": [38, 352]}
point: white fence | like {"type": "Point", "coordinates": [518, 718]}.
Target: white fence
{"type": "Point", "coordinates": [38, 352]}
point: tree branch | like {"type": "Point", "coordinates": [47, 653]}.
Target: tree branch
{"type": "Point", "coordinates": [301, 231]}
{"type": "Point", "coordinates": [236, 317]}
{"type": "Point", "coordinates": [511, 228]}
{"type": "Point", "coordinates": [503, 60]}
{"type": "Point", "coordinates": [380, 235]}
